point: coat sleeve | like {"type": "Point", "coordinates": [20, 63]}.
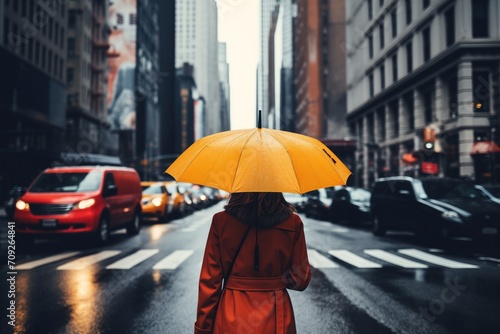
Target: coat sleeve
{"type": "Point", "coordinates": [210, 283]}
{"type": "Point", "coordinates": [299, 274]}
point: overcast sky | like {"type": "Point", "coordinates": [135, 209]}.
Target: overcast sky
{"type": "Point", "coordinates": [239, 28]}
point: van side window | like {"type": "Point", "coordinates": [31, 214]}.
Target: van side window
{"type": "Point", "coordinates": [109, 180]}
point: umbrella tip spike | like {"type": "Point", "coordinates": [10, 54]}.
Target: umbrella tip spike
{"type": "Point", "coordinates": [259, 122]}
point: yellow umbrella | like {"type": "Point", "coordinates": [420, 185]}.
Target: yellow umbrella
{"type": "Point", "coordinates": [259, 160]}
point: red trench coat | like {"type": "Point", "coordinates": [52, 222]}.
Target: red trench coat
{"type": "Point", "coordinates": [254, 301]}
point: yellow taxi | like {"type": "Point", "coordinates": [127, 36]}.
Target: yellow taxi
{"type": "Point", "coordinates": [156, 201]}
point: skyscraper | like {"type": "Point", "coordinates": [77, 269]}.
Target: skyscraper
{"type": "Point", "coordinates": [225, 99]}
{"type": "Point", "coordinates": [196, 44]}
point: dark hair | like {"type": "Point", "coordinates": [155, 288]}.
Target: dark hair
{"type": "Point", "coordinates": [266, 209]}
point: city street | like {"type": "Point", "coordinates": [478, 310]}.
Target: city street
{"type": "Point", "coordinates": [148, 283]}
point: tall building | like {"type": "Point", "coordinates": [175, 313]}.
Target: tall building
{"type": "Point", "coordinates": [86, 76]}
{"type": "Point", "coordinates": [147, 79]}
{"type": "Point", "coordinates": [424, 72]}
{"type": "Point", "coordinates": [33, 88]}
{"type": "Point", "coordinates": [308, 69]}
{"type": "Point", "coordinates": [287, 87]}
{"type": "Point", "coordinates": [196, 43]}
{"type": "Point", "coordinates": [266, 9]}
{"type": "Point", "coordinates": [225, 96]}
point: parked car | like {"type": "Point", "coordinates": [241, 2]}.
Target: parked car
{"type": "Point", "coordinates": [178, 200]}
{"type": "Point", "coordinates": [350, 205]}
{"type": "Point", "coordinates": [297, 200]}
{"type": "Point", "coordinates": [318, 202]}
{"type": "Point", "coordinates": [433, 208]}
{"type": "Point", "coordinates": [157, 201]}
{"type": "Point", "coordinates": [77, 200]}
{"type": "Point", "coordinates": [493, 192]}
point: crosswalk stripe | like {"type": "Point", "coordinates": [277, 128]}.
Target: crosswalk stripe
{"type": "Point", "coordinates": [173, 260]}
{"type": "Point", "coordinates": [436, 259]}
{"type": "Point", "coordinates": [46, 260]}
{"type": "Point", "coordinates": [319, 261]}
{"type": "Point", "coordinates": [86, 261]}
{"type": "Point", "coordinates": [353, 259]}
{"type": "Point", "coordinates": [394, 259]}
{"type": "Point", "coordinates": [133, 259]}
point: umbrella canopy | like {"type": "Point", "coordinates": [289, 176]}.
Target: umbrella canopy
{"type": "Point", "coordinates": [260, 160]}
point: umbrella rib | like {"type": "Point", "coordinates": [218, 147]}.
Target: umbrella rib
{"type": "Point", "coordinates": [239, 157]}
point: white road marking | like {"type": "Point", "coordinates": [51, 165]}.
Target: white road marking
{"type": "Point", "coordinates": [173, 260]}
{"type": "Point", "coordinates": [353, 259]}
{"type": "Point", "coordinates": [86, 261]}
{"type": "Point", "coordinates": [319, 261]}
{"type": "Point", "coordinates": [46, 260]}
{"type": "Point", "coordinates": [394, 259]}
{"type": "Point", "coordinates": [194, 226]}
{"type": "Point", "coordinates": [418, 254]}
{"type": "Point", "coordinates": [133, 259]}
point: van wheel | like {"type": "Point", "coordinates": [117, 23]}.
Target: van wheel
{"type": "Point", "coordinates": [378, 227]}
{"type": "Point", "coordinates": [135, 225]}
{"type": "Point", "coordinates": [102, 234]}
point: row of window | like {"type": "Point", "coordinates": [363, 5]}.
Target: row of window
{"type": "Point", "coordinates": [481, 92]}
{"type": "Point", "coordinates": [480, 23]}
{"type": "Point", "coordinates": [26, 8]}
{"type": "Point", "coordinates": [425, 35]}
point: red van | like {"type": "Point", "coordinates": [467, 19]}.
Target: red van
{"type": "Point", "coordinates": [87, 199]}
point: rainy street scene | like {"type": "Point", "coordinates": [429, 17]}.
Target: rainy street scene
{"type": "Point", "coordinates": [250, 166]}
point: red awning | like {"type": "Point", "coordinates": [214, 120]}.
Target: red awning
{"type": "Point", "coordinates": [484, 147]}
{"type": "Point", "coordinates": [409, 158]}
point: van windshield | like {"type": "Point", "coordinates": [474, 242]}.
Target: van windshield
{"type": "Point", "coordinates": [67, 182]}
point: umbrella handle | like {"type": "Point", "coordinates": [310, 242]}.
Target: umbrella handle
{"type": "Point", "coordinates": [259, 123]}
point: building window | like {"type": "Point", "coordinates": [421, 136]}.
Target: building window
{"type": "Point", "coordinates": [426, 3]}
{"type": "Point", "coordinates": [370, 9]}
{"type": "Point", "coordinates": [49, 63]}
{"type": "Point", "coordinates": [132, 19]}
{"type": "Point", "coordinates": [70, 76]}
{"type": "Point", "coordinates": [381, 124]}
{"type": "Point", "coordinates": [370, 46]}
{"type": "Point", "coordinates": [56, 34]}
{"type": "Point", "coordinates": [394, 60]}
{"type": "Point", "coordinates": [481, 92]}
{"type": "Point", "coordinates": [410, 111]}
{"type": "Point", "coordinates": [119, 18]}
{"type": "Point", "coordinates": [480, 18]}
{"type": "Point", "coordinates": [51, 28]}
{"type": "Point", "coordinates": [381, 34]}
{"type": "Point", "coordinates": [382, 77]}
{"type": "Point", "coordinates": [24, 8]}
{"type": "Point", "coordinates": [394, 109]}
{"type": "Point", "coordinates": [453, 96]}
{"type": "Point", "coordinates": [381, 3]}
{"type": "Point", "coordinates": [394, 22]}
{"type": "Point", "coordinates": [409, 57]}
{"type": "Point", "coordinates": [72, 19]}
{"type": "Point", "coordinates": [371, 84]}
{"type": "Point", "coordinates": [6, 29]}
{"type": "Point", "coordinates": [71, 47]}
{"type": "Point", "coordinates": [408, 11]}
{"type": "Point", "coordinates": [449, 17]}
{"type": "Point", "coordinates": [37, 53]}
{"type": "Point", "coordinates": [426, 39]}
{"type": "Point", "coordinates": [427, 100]}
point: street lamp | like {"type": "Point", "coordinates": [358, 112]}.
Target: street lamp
{"type": "Point", "coordinates": [493, 127]}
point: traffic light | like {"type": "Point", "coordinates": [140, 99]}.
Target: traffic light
{"type": "Point", "coordinates": [429, 139]}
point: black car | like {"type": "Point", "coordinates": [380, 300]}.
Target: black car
{"type": "Point", "coordinates": [10, 204]}
{"type": "Point", "coordinates": [433, 208]}
{"type": "Point", "coordinates": [350, 205]}
{"type": "Point", "coordinates": [317, 202]}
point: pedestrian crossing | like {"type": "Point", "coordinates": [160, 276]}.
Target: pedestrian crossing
{"type": "Point", "coordinates": [364, 259]}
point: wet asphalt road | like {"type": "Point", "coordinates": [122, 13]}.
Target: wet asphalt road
{"type": "Point", "coordinates": [356, 287]}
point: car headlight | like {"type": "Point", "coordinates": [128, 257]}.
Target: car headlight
{"type": "Point", "coordinates": [156, 201]}
{"type": "Point", "coordinates": [22, 205]}
{"type": "Point", "coordinates": [451, 216]}
{"type": "Point", "coordinates": [85, 204]}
